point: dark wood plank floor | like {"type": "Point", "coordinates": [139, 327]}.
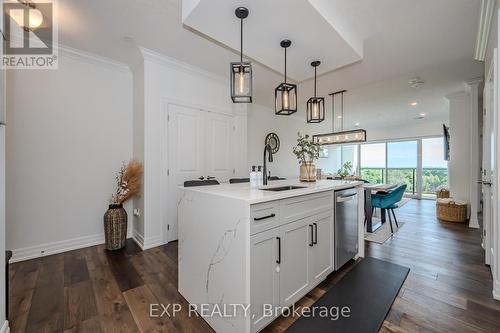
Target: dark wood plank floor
{"type": "Point", "coordinates": [91, 290]}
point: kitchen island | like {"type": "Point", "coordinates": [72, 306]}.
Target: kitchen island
{"type": "Point", "coordinates": [246, 253]}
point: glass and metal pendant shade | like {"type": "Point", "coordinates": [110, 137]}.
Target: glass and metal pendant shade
{"type": "Point", "coordinates": [285, 95]}
{"type": "Point", "coordinates": [241, 72]}
{"type": "Point", "coordinates": [340, 137]}
{"type": "Point", "coordinates": [315, 105]}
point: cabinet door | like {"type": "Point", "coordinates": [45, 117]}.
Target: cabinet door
{"type": "Point", "coordinates": [321, 253]}
{"type": "Point", "coordinates": [218, 144]}
{"type": "Point", "coordinates": [264, 276]}
{"type": "Point", "coordinates": [294, 277]}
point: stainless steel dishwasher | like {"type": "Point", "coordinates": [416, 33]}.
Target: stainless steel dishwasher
{"type": "Point", "coordinates": [346, 226]}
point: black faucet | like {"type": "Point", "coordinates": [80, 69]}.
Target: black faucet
{"type": "Point", "coordinates": [269, 150]}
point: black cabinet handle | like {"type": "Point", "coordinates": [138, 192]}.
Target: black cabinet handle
{"type": "Point", "coordinates": [210, 177]}
{"type": "Point", "coordinates": [312, 235]}
{"type": "Point", "coordinates": [264, 217]}
{"type": "Point", "coordinates": [279, 250]}
{"type": "Point", "coordinates": [315, 233]}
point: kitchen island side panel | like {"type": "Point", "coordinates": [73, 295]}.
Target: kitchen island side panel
{"type": "Point", "coordinates": [214, 255]}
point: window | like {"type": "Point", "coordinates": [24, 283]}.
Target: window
{"type": "Point", "coordinates": [350, 154]}
{"type": "Point", "coordinates": [417, 163]}
{"type": "Point", "coordinates": [434, 167]}
{"type": "Point", "coordinates": [402, 164]}
{"type": "Point", "coordinates": [372, 166]}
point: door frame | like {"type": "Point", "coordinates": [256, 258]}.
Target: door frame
{"type": "Point", "coordinates": [165, 161]}
{"type": "Point", "coordinates": [488, 116]}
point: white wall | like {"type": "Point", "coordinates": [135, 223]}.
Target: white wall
{"type": "Point", "coordinates": [68, 132]}
{"type": "Point", "coordinates": [168, 80]}
{"type": "Point", "coordinates": [460, 134]}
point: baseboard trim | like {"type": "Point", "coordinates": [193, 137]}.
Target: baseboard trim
{"type": "Point", "coordinates": [474, 223]}
{"type": "Point", "coordinates": [47, 249]}
{"type": "Point", "coordinates": [138, 239]}
{"type": "Point", "coordinates": [5, 327]}
{"type": "Point", "coordinates": [147, 243]}
{"type": "Point", "coordinates": [496, 290]}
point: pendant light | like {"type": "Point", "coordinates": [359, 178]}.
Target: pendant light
{"type": "Point", "coordinates": [241, 72]}
{"type": "Point", "coordinates": [315, 105]}
{"type": "Point", "coordinates": [285, 95]}
{"type": "Point", "coordinates": [340, 137]}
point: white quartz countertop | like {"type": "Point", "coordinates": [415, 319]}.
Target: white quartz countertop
{"type": "Point", "coordinates": [257, 195]}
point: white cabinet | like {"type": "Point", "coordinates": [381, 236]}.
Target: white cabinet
{"type": "Point", "coordinates": [288, 259]}
{"type": "Point", "coordinates": [321, 253]}
{"type": "Point", "coordinates": [294, 277]}
{"type": "Point", "coordinates": [264, 275]}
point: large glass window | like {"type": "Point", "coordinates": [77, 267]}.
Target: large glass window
{"type": "Point", "coordinates": [372, 166]}
{"type": "Point", "coordinates": [434, 166]}
{"type": "Point", "coordinates": [350, 154]}
{"type": "Point", "coordinates": [402, 164]}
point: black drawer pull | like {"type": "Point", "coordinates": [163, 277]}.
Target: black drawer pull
{"type": "Point", "coordinates": [264, 217]}
{"type": "Point", "coordinates": [312, 235]}
{"type": "Point", "coordinates": [279, 250]}
{"type": "Point", "coordinates": [315, 233]}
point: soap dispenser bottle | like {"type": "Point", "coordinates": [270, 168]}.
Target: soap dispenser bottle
{"type": "Point", "coordinates": [260, 176]}
{"type": "Point", "coordinates": [253, 178]}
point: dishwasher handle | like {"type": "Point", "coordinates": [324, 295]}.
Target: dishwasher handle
{"type": "Point", "coordinates": [347, 197]}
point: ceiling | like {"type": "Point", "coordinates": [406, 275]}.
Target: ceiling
{"type": "Point", "coordinates": [269, 22]}
{"type": "Point", "coordinates": [400, 39]}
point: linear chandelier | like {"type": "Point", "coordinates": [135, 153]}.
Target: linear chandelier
{"type": "Point", "coordinates": [340, 137]}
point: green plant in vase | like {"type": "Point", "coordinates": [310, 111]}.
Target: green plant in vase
{"type": "Point", "coordinates": [307, 151]}
{"type": "Point", "coordinates": [345, 171]}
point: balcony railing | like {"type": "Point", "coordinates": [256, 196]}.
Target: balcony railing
{"type": "Point", "coordinates": [432, 178]}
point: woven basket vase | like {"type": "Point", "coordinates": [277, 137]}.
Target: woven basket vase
{"type": "Point", "coordinates": [115, 227]}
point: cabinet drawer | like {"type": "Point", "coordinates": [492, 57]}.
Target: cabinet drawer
{"type": "Point", "coordinates": [297, 208]}
{"type": "Point", "coordinates": [264, 216]}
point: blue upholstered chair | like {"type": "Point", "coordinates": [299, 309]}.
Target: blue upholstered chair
{"type": "Point", "coordinates": [388, 201]}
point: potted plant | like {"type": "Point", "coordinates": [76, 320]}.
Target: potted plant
{"type": "Point", "coordinates": [129, 183]}
{"type": "Point", "coordinates": [307, 152]}
{"type": "Point", "coordinates": [346, 170]}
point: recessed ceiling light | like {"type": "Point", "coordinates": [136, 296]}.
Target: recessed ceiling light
{"type": "Point", "coordinates": [356, 124]}
{"type": "Point", "coordinates": [340, 117]}
{"type": "Point", "coordinates": [423, 115]}
{"type": "Point", "coordinates": [414, 103]}
{"type": "Point", "coordinates": [420, 116]}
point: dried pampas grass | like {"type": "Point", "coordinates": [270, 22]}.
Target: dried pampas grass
{"type": "Point", "coordinates": [129, 181]}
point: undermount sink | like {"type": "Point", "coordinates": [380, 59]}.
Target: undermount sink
{"type": "Point", "coordinates": [282, 188]}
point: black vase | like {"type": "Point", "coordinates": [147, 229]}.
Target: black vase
{"type": "Point", "coordinates": [115, 227]}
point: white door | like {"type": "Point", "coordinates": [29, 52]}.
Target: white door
{"type": "Point", "coordinates": [321, 253]}
{"type": "Point", "coordinates": [296, 238]}
{"type": "Point", "coordinates": [488, 164]}
{"type": "Point", "coordinates": [264, 276]}
{"type": "Point", "coordinates": [186, 158]}
{"type": "Point", "coordinates": [199, 146]}
{"type": "Point", "coordinates": [219, 144]}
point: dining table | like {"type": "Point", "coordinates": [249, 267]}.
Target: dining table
{"type": "Point", "coordinates": [369, 190]}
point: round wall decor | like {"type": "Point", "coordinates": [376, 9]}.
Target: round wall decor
{"type": "Point", "coordinates": [273, 141]}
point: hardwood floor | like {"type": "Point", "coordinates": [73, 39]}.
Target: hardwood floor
{"type": "Point", "coordinates": [90, 290]}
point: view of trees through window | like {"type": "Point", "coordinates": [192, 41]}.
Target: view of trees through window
{"type": "Point", "coordinates": [397, 162]}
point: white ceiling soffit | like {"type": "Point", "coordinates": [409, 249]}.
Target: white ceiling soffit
{"type": "Point", "coordinates": [314, 36]}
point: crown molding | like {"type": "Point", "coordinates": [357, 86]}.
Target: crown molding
{"type": "Point", "coordinates": [474, 81]}
{"type": "Point", "coordinates": [484, 27]}
{"type": "Point", "coordinates": [457, 94]}
{"type": "Point", "coordinates": [179, 65]}
{"type": "Point", "coordinates": [92, 58]}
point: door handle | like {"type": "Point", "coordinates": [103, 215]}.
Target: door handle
{"type": "Point", "coordinates": [315, 233]}
{"type": "Point", "coordinates": [264, 217]}
{"type": "Point", "coordinates": [210, 177]}
{"type": "Point", "coordinates": [312, 235]}
{"type": "Point", "coordinates": [279, 250]}
{"type": "Point", "coordinates": [201, 178]}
